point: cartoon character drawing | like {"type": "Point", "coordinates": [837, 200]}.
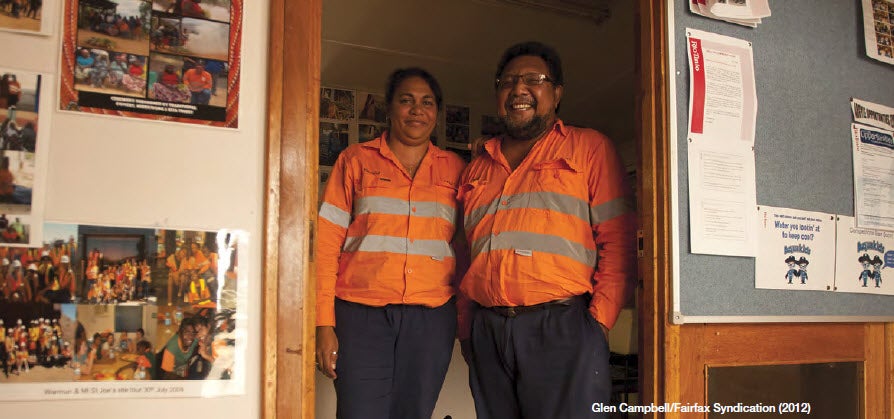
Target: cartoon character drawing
{"type": "Point", "coordinates": [867, 273]}
{"type": "Point", "coordinates": [877, 271]}
{"type": "Point", "coordinates": [802, 272]}
{"type": "Point", "coordinates": [792, 271]}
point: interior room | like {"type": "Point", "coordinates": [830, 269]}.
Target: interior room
{"type": "Point", "coordinates": [362, 42]}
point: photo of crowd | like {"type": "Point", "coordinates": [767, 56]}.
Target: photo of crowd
{"type": "Point", "coordinates": [21, 15]}
{"type": "Point", "coordinates": [102, 71]}
{"type": "Point", "coordinates": [883, 23]}
{"type": "Point", "coordinates": [111, 303]}
{"type": "Point", "coordinates": [119, 25]}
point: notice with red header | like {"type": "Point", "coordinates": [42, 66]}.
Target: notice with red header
{"type": "Point", "coordinates": [722, 97]}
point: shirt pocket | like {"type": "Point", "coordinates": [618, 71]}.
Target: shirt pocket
{"type": "Point", "coordinates": [560, 176]}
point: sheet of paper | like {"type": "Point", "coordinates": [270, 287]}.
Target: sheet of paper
{"type": "Point", "coordinates": [796, 249]}
{"type": "Point", "coordinates": [879, 116]}
{"type": "Point", "coordinates": [722, 198]}
{"type": "Point", "coordinates": [873, 177]}
{"type": "Point", "coordinates": [863, 257]}
{"type": "Point", "coordinates": [741, 12]}
{"type": "Point", "coordinates": [722, 96]}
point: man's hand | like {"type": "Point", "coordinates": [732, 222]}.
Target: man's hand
{"type": "Point", "coordinates": [327, 350]}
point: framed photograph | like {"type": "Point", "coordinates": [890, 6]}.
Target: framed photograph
{"type": "Point", "coordinates": [163, 59]}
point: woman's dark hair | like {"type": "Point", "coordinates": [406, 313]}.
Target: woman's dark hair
{"type": "Point", "coordinates": [401, 74]}
{"type": "Point", "coordinates": [537, 49]}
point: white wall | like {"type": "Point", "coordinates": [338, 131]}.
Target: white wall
{"type": "Point", "coordinates": [127, 172]}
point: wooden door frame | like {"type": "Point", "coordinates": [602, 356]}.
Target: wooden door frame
{"type": "Point", "coordinates": [288, 324]}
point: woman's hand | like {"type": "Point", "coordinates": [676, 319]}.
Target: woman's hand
{"type": "Point", "coordinates": [327, 350]}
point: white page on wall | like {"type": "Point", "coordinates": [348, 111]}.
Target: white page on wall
{"type": "Point", "coordinates": [874, 114]}
{"type": "Point", "coordinates": [864, 258]}
{"type": "Point", "coordinates": [796, 249]}
{"type": "Point", "coordinates": [722, 95]}
{"type": "Point", "coordinates": [873, 176]}
{"type": "Point", "coordinates": [722, 198]}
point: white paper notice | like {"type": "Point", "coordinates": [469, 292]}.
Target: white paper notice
{"type": "Point", "coordinates": [722, 199]}
{"type": "Point", "coordinates": [863, 258]}
{"type": "Point", "coordinates": [796, 250]}
{"type": "Point", "coordinates": [873, 177]}
{"type": "Point", "coordinates": [869, 113]}
{"type": "Point", "coordinates": [722, 97]}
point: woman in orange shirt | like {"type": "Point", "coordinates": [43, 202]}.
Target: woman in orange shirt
{"type": "Point", "coordinates": [386, 317]}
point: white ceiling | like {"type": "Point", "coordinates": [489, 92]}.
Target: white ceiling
{"type": "Point", "coordinates": [460, 41]}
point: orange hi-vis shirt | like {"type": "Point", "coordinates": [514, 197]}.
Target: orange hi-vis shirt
{"type": "Point", "coordinates": [536, 233]}
{"type": "Point", "coordinates": [384, 238]}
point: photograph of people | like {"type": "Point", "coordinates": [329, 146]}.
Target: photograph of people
{"type": "Point", "coordinates": [36, 342]}
{"type": "Point", "coordinates": [386, 318]}
{"type": "Point", "coordinates": [21, 15]}
{"type": "Point", "coordinates": [19, 94]}
{"type": "Point", "coordinates": [165, 79]}
{"type": "Point", "coordinates": [206, 9]}
{"type": "Point", "coordinates": [120, 26]}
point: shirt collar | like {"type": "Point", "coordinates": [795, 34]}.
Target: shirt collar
{"type": "Point", "coordinates": [380, 144]}
{"type": "Point", "coordinates": [490, 146]}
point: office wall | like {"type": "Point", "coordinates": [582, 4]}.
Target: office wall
{"type": "Point", "coordinates": [126, 172]}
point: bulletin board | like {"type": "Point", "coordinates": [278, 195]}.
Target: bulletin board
{"type": "Point", "coordinates": [135, 173]}
{"type": "Point", "coordinates": [809, 61]}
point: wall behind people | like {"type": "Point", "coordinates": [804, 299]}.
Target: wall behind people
{"type": "Point", "coordinates": [126, 172]}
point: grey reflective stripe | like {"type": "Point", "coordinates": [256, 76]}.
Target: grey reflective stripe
{"type": "Point", "coordinates": [394, 206]}
{"type": "Point", "coordinates": [542, 243]}
{"type": "Point", "coordinates": [611, 209]}
{"type": "Point", "coordinates": [552, 201]}
{"type": "Point", "coordinates": [335, 215]}
{"type": "Point", "coordinates": [477, 214]}
{"type": "Point", "coordinates": [401, 245]}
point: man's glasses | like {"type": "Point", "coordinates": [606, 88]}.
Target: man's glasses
{"type": "Point", "coordinates": [530, 79]}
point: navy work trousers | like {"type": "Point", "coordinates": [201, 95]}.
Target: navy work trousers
{"type": "Point", "coordinates": [392, 360]}
{"type": "Point", "coordinates": [551, 363]}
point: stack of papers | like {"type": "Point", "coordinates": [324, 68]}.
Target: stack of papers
{"type": "Point", "coordinates": [741, 12]}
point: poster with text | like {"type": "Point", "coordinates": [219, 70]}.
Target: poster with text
{"type": "Point", "coordinates": [167, 60]}
{"type": "Point", "coordinates": [873, 153]}
{"type": "Point", "coordinates": [107, 312]}
{"type": "Point", "coordinates": [23, 132]}
{"type": "Point", "coordinates": [878, 29]}
{"type": "Point", "coordinates": [796, 249]}
{"type": "Point", "coordinates": [864, 259]}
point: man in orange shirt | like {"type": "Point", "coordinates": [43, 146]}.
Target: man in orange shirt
{"type": "Point", "coordinates": [199, 82]}
{"type": "Point", "coordinates": [540, 203]}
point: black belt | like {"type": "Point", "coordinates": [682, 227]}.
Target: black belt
{"type": "Point", "coordinates": [513, 311]}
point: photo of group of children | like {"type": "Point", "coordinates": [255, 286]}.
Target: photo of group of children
{"type": "Point", "coordinates": [166, 52]}
{"type": "Point", "coordinates": [111, 303]}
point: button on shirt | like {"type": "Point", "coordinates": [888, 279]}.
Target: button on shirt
{"type": "Point", "coordinates": [536, 233]}
{"type": "Point", "coordinates": [384, 238]}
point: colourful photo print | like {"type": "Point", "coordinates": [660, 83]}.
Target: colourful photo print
{"type": "Point", "coordinates": [97, 303]}
{"type": "Point", "coordinates": [170, 60]}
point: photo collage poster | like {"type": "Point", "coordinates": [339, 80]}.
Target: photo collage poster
{"type": "Point", "coordinates": [99, 311]}
{"type": "Point", "coordinates": [878, 29]}
{"type": "Point", "coordinates": [167, 60]}
{"type": "Point", "coordinates": [23, 130]}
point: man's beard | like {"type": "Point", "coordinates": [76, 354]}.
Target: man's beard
{"type": "Point", "coordinates": [525, 131]}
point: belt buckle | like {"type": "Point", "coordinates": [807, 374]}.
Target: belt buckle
{"type": "Point", "coordinates": [511, 311]}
